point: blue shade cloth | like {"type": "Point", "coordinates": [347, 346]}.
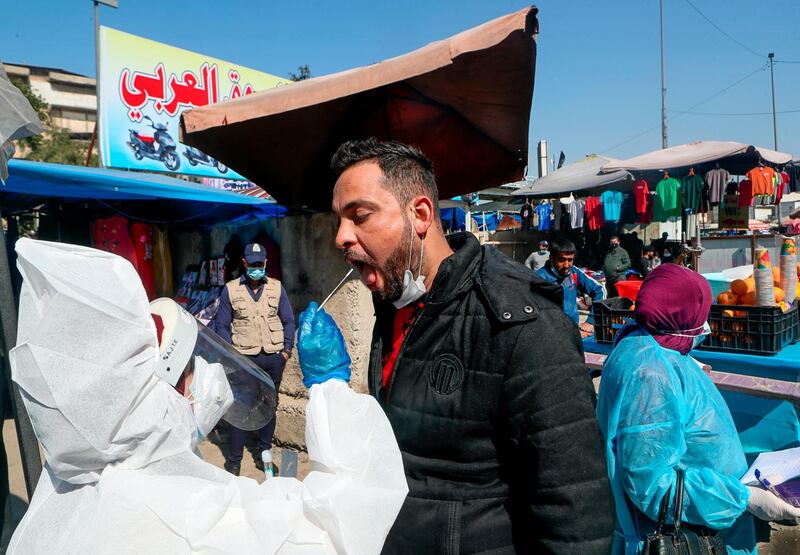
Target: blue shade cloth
{"type": "Point", "coordinates": [612, 205]}
{"type": "Point", "coordinates": [320, 344]}
{"type": "Point", "coordinates": [658, 411]}
{"type": "Point", "coordinates": [543, 210]}
{"type": "Point", "coordinates": [31, 183]}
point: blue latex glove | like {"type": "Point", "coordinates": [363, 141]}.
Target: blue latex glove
{"type": "Point", "coordinates": [320, 344]}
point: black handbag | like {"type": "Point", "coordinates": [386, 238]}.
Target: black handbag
{"type": "Point", "coordinates": [681, 538]}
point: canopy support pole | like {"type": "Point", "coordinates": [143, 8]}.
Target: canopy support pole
{"type": "Point", "coordinates": [28, 444]}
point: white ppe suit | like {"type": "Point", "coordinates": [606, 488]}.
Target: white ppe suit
{"type": "Point", "coordinates": [120, 475]}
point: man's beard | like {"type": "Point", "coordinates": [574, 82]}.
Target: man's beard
{"type": "Point", "coordinates": [393, 270]}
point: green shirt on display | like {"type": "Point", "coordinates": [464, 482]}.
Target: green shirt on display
{"type": "Point", "coordinates": [668, 192]}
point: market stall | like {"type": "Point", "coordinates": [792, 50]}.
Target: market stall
{"type": "Point", "coordinates": [465, 101]}
{"type": "Point", "coordinates": [139, 216]}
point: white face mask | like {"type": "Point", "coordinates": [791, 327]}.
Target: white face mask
{"type": "Point", "coordinates": [697, 338]}
{"type": "Point", "coordinates": [211, 395]}
{"type": "Point", "coordinates": [413, 289]}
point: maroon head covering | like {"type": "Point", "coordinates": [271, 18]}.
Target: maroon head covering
{"type": "Point", "coordinates": [676, 300]}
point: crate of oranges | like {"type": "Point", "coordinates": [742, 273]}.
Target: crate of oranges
{"type": "Point", "coordinates": [610, 315]}
{"type": "Point", "coordinates": [738, 325]}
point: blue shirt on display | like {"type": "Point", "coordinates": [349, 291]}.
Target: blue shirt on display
{"type": "Point", "coordinates": [544, 210]}
{"type": "Point", "coordinates": [612, 205]}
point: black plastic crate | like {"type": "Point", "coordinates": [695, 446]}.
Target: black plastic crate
{"type": "Point", "coordinates": [610, 315]}
{"type": "Point", "coordinates": [755, 330]}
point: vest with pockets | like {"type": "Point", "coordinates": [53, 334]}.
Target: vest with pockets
{"type": "Point", "coordinates": [255, 324]}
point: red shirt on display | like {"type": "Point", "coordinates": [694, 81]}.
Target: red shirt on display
{"type": "Point", "coordinates": [594, 213]}
{"type": "Point", "coordinates": [111, 235]}
{"type": "Point", "coordinates": [647, 216]}
{"type": "Point", "coordinates": [143, 243]}
{"type": "Point", "coordinates": [640, 192]}
{"type": "Point", "coordinates": [745, 193]}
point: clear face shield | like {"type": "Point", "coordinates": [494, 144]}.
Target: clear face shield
{"type": "Point", "coordinates": [254, 395]}
{"type": "Point", "coordinates": [222, 379]}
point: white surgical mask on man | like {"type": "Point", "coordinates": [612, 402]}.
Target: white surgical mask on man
{"type": "Point", "coordinates": [413, 289]}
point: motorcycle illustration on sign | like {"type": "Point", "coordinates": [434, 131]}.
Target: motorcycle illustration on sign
{"type": "Point", "coordinates": [195, 156]}
{"type": "Point", "coordinates": [159, 146]}
{"type": "Point", "coordinates": [144, 88]}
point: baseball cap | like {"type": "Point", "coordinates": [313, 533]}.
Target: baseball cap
{"type": "Point", "coordinates": [255, 253]}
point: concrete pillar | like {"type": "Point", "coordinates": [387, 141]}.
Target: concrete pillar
{"type": "Point", "coordinates": [311, 267]}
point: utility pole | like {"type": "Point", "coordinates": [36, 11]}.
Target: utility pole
{"type": "Point", "coordinates": [664, 141]}
{"type": "Point", "coordinates": [771, 57]}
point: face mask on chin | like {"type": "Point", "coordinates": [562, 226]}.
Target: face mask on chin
{"type": "Point", "coordinates": [413, 289]}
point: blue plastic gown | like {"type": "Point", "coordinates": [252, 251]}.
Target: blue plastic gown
{"type": "Point", "coordinates": [659, 411]}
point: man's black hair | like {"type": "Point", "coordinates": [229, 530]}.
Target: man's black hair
{"type": "Point", "coordinates": [562, 244]}
{"type": "Point", "coordinates": [649, 248]}
{"type": "Point", "coordinates": [407, 172]}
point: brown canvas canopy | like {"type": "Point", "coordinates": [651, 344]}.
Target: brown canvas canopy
{"type": "Point", "coordinates": [465, 101]}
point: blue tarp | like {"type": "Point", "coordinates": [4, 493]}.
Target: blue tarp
{"type": "Point", "coordinates": [32, 183]}
{"type": "Point", "coordinates": [453, 219]}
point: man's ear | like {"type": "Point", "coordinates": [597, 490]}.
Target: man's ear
{"type": "Point", "coordinates": [424, 214]}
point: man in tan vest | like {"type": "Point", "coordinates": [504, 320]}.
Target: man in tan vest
{"type": "Point", "coordinates": [255, 316]}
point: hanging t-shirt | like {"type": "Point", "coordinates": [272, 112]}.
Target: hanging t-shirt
{"type": "Point", "coordinates": [628, 213]}
{"type": "Point", "coordinates": [576, 211]}
{"type": "Point", "coordinates": [612, 205]}
{"type": "Point", "coordinates": [162, 264]}
{"type": "Point", "coordinates": [640, 193]}
{"type": "Point", "coordinates": [691, 193]}
{"type": "Point", "coordinates": [763, 179]}
{"type": "Point", "coordinates": [594, 213]}
{"type": "Point", "coordinates": [732, 188]}
{"type": "Point", "coordinates": [647, 216]}
{"type": "Point", "coordinates": [112, 235]}
{"type": "Point", "coordinates": [144, 242]}
{"type": "Point", "coordinates": [543, 211]}
{"type": "Point", "coordinates": [794, 177]}
{"type": "Point", "coordinates": [668, 191]}
{"type": "Point", "coordinates": [705, 199]}
{"type": "Point", "coordinates": [779, 183]}
{"type": "Point", "coordinates": [716, 180]}
{"type": "Point", "coordinates": [745, 193]}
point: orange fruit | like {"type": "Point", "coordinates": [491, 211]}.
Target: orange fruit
{"type": "Point", "coordinates": [739, 287]}
{"type": "Point", "coordinates": [776, 274]}
{"type": "Point", "coordinates": [797, 290]}
{"type": "Point", "coordinates": [748, 298]}
{"type": "Point", "coordinates": [779, 295]}
{"type": "Point", "coordinates": [726, 297]}
{"type": "Point", "coordinates": [751, 284]}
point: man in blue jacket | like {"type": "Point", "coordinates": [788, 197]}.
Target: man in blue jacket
{"type": "Point", "coordinates": [560, 269]}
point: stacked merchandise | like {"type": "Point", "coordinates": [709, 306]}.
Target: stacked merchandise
{"type": "Point", "coordinates": [201, 287]}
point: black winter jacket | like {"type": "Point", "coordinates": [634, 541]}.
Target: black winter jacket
{"type": "Point", "coordinates": [493, 410]}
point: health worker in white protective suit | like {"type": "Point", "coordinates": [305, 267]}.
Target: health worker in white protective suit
{"type": "Point", "coordinates": [118, 418]}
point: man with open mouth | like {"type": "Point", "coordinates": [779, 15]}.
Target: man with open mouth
{"type": "Point", "coordinates": [478, 369]}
